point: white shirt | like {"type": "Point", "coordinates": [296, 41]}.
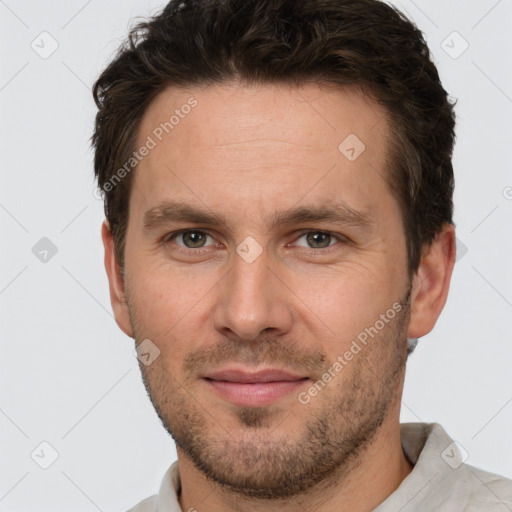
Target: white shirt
{"type": "Point", "coordinates": [439, 482]}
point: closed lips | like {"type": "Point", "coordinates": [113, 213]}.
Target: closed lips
{"type": "Point", "coordinates": [245, 377]}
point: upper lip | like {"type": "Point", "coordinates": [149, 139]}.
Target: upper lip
{"type": "Point", "coordinates": [247, 376]}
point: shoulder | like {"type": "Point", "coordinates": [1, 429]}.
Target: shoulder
{"type": "Point", "coordinates": [441, 480]}
{"type": "Point", "coordinates": [484, 489]}
{"type": "Point", "coordinates": [148, 505]}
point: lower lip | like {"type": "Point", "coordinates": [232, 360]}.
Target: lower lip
{"type": "Point", "coordinates": [258, 394]}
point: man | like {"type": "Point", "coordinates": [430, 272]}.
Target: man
{"type": "Point", "coordinates": [278, 192]}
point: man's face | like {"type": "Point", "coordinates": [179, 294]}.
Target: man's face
{"type": "Point", "coordinates": [294, 297]}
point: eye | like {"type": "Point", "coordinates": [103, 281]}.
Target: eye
{"type": "Point", "coordinates": [190, 239]}
{"type": "Point", "coordinates": [318, 239]}
{"type": "Point", "coordinates": [195, 241]}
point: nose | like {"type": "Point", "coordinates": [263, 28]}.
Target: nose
{"type": "Point", "coordinates": [253, 298]}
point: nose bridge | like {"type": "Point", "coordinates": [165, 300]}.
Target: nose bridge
{"type": "Point", "coordinates": [251, 298]}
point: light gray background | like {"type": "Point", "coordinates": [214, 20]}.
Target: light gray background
{"type": "Point", "coordinates": [68, 374]}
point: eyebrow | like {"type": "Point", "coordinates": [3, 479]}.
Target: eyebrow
{"type": "Point", "coordinates": [172, 211]}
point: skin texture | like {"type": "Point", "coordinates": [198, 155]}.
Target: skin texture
{"type": "Point", "coordinates": [247, 153]}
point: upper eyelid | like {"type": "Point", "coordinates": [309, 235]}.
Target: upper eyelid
{"type": "Point", "coordinates": [300, 234]}
{"type": "Point", "coordinates": [330, 233]}
{"type": "Point", "coordinates": [176, 234]}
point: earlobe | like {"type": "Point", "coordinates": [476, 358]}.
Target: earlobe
{"type": "Point", "coordinates": [116, 281]}
{"type": "Point", "coordinates": [432, 282]}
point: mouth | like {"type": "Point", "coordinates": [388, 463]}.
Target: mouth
{"type": "Point", "coordinates": [250, 388]}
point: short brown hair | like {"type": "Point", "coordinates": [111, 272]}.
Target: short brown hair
{"type": "Point", "coordinates": [366, 43]}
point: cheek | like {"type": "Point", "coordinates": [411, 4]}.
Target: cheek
{"type": "Point", "coordinates": [344, 303]}
{"type": "Point", "coordinates": [167, 301]}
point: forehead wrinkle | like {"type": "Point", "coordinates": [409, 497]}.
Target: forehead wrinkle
{"type": "Point", "coordinates": [274, 141]}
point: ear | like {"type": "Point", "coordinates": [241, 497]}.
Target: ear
{"type": "Point", "coordinates": [432, 282]}
{"type": "Point", "coordinates": [116, 282]}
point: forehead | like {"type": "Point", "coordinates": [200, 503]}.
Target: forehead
{"type": "Point", "coordinates": [263, 141]}
{"type": "Point", "coordinates": [315, 114]}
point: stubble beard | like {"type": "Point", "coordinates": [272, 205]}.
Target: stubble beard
{"type": "Point", "coordinates": [254, 460]}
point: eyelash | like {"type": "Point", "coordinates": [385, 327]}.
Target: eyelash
{"type": "Point", "coordinates": [187, 250]}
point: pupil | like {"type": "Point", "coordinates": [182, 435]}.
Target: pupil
{"type": "Point", "coordinates": [194, 238]}
{"type": "Point", "coordinates": [313, 238]}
